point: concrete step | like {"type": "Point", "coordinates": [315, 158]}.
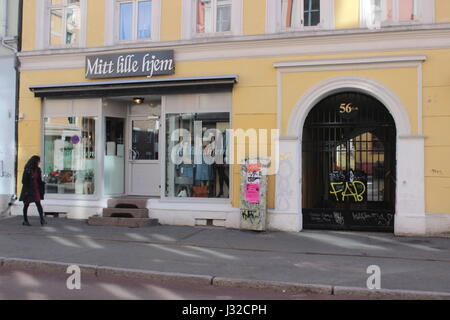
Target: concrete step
{"type": "Point", "coordinates": [129, 203]}
{"type": "Point", "coordinates": [122, 222]}
{"type": "Point", "coordinates": [124, 213]}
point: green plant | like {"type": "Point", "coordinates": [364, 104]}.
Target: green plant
{"type": "Point", "coordinates": [89, 175]}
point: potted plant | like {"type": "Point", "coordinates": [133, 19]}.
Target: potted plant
{"type": "Point", "coordinates": [89, 181]}
{"type": "Point", "coordinates": [52, 180]}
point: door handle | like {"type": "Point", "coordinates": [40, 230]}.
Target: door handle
{"type": "Point", "coordinates": [132, 154]}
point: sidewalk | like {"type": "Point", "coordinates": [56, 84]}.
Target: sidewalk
{"type": "Point", "coordinates": [310, 257]}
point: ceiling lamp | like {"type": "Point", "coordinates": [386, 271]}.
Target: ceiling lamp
{"type": "Point", "coordinates": [138, 100]}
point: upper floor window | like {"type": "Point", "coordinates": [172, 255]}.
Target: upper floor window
{"type": "Point", "coordinates": [205, 18]}
{"type": "Point", "coordinates": [65, 22]}
{"type": "Point", "coordinates": [134, 19]}
{"type": "Point", "coordinates": [213, 16]}
{"type": "Point", "coordinates": [378, 13]}
{"type": "Point", "coordinates": [296, 14]}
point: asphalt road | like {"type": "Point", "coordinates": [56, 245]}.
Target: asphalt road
{"type": "Point", "coordinates": [25, 284]}
{"type": "Point", "coordinates": [309, 257]}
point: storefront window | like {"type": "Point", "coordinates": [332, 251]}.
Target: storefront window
{"type": "Point", "coordinates": [70, 155]}
{"type": "Point", "coordinates": [196, 155]}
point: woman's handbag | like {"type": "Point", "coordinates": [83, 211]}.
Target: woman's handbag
{"type": "Point", "coordinates": [200, 192]}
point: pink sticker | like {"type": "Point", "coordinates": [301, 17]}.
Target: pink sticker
{"type": "Point", "coordinates": [252, 192]}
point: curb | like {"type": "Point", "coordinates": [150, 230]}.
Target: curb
{"type": "Point", "coordinates": [274, 285]}
{"type": "Point", "coordinates": [103, 271]}
{"type": "Point", "coordinates": [43, 265]}
{"type": "Point", "coordinates": [390, 294]}
{"type": "Point", "coordinates": [153, 275]}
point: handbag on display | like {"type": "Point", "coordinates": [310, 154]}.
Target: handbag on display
{"type": "Point", "coordinates": [200, 192]}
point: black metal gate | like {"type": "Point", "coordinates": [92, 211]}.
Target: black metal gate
{"type": "Point", "coordinates": [349, 165]}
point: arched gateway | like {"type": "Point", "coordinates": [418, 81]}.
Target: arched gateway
{"type": "Point", "coordinates": [349, 164]}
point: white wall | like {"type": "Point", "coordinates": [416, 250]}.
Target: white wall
{"type": "Point", "coordinates": [9, 18]}
{"type": "Point", "coordinates": [7, 125]}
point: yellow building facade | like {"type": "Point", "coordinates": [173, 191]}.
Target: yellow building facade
{"type": "Point", "coordinates": [358, 89]}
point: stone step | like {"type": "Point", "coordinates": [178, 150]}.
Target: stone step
{"type": "Point", "coordinates": [124, 213]}
{"type": "Point", "coordinates": [129, 203]}
{"type": "Point", "coordinates": [122, 222]}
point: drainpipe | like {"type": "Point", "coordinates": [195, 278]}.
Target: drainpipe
{"type": "Point", "coordinates": [17, 67]}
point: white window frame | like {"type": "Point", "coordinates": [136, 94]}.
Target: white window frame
{"type": "Point", "coordinates": [425, 14]}
{"type": "Point", "coordinates": [189, 20]}
{"type": "Point", "coordinates": [112, 22]}
{"type": "Point", "coordinates": [43, 26]}
{"type": "Point", "coordinates": [193, 106]}
{"type": "Point", "coordinates": [274, 18]}
{"type": "Point", "coordinates": [63, 108]}
{"type": "Point", "coordinates": [155, 15]}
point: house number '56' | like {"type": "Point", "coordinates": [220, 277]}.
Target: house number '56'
{"type": "Point", "coordinates": [347, 108]}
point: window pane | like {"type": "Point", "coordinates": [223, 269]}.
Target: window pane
{"type": "Point", "coordinates": [126, 21]}
{"type": "Point", "coordinates": [223, 15]}
{"type": "Point", "coordinates": [311, 13]}
{"type": "Point", "coordinates": [406, 10]}
{"type": "Point", "coordinates": [204, 16]}
{"type": "Point", "coordinates": [69, 153]}
{"type": "Point", "coordinates": [56, 26]}
{"type": "Point", "coordinates": [145, 19]}
{"type": "Point", "coordinates": [290, 14]}
{"type": "Point", "coordinates": [375, 12]}
{"type": "Point", "coordinates": [196, 155]}
{"type": "Point", "coordinates": [73, 22]}
{"type": "Point", "coordinates": [383, 10]}
{"type": "Point", "coordinates": [114, 175]}
{"type": "Point", "coordinates": [388, 10]}
{"type": "Point", "coordinates": [145, 138]}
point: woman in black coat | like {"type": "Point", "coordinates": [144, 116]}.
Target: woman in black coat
{"type": "Point", "coordinates": [33, 189]}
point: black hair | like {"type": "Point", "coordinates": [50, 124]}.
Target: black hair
{"type": "Point", "coordinates": [32, 164]}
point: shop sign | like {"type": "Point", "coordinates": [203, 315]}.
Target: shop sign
{"type": "Point", "coordinates": [131, 64]}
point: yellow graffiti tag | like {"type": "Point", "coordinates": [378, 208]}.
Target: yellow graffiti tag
{"type": "Point", "coordinates": [286, 156]}
{"type": "Point", "coordinates": [342, 190]}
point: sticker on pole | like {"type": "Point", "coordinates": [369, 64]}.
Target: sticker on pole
{"type": "Point", "coordinates": [252, 192]}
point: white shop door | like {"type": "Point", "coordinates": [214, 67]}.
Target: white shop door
{"type": "Point", "coordinates": [144, 167]}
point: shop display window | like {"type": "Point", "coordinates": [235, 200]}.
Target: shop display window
{"type": "Point", "coordinates": [196, 155]}
{"type": "Point", "coordinates": [70, 155]}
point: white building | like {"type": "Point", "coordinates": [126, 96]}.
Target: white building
{"type": "Point", "coordinates": [9, 31]}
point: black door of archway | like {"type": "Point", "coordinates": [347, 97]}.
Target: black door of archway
{"type": "Point", "coordinates": [349, 165]}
